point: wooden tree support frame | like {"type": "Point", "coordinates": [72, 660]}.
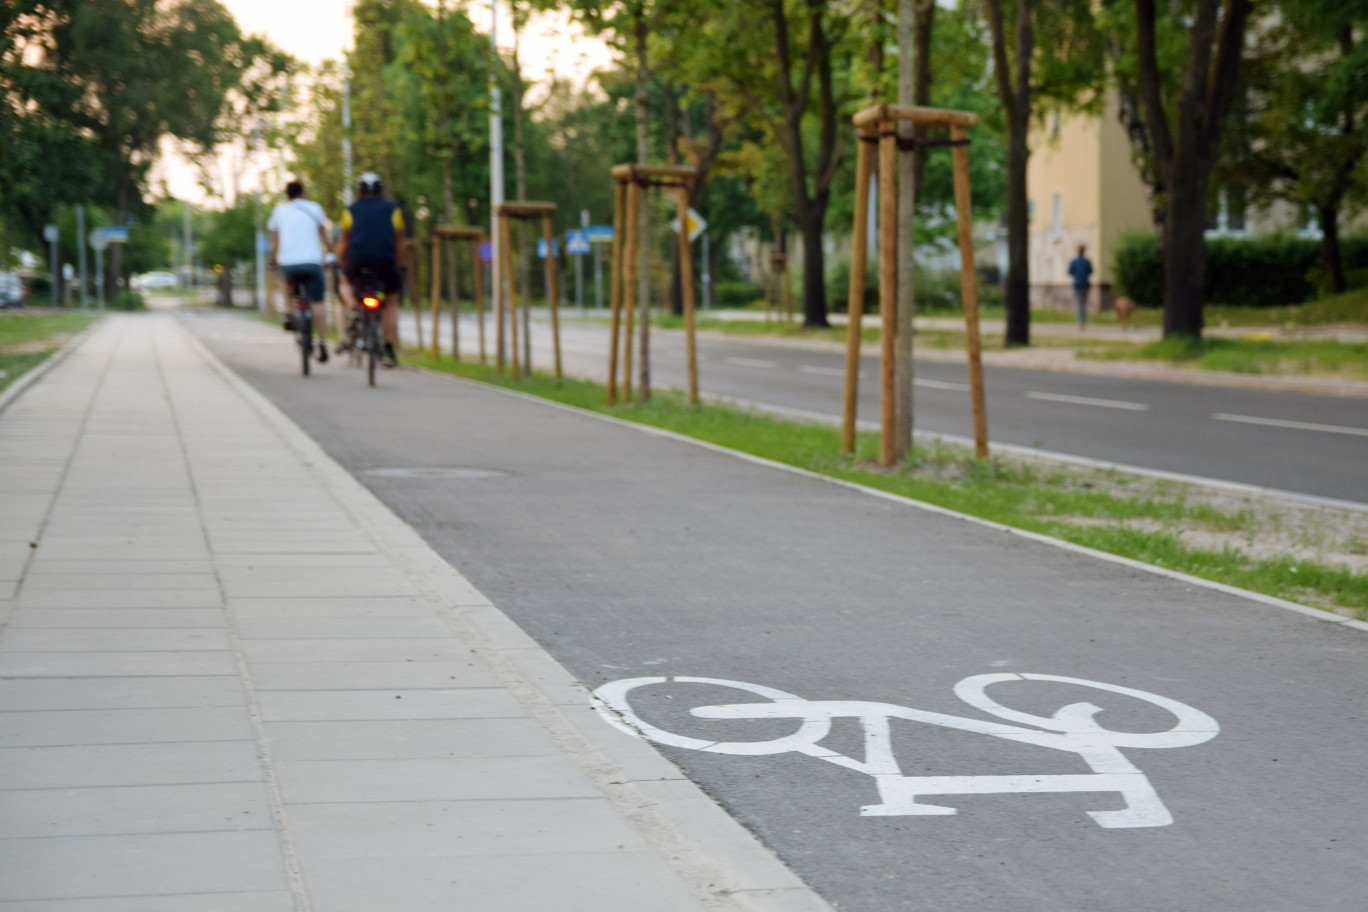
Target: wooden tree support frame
{"type": "Point", "coordinates": [880, 125]}
{"type": "Point", "coordinates": [504, 214]}
{"type": "Point", "coordinates": [631, 179]}
{"type": "Point", "coordinates": [441, 235]}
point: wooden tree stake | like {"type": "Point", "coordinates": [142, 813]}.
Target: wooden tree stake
{"type": "Point", "coordinates": [969, 288]}
{"type": "Point", "coordinates": [888, 286]}
{"type": "Point", "coordinates": [615, 291]}
{"type": "Point", "coordinates": [859, 253]}
{"type": "Point", "coordinates": [552, 291]}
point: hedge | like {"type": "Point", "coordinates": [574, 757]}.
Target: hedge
{"type": "Point", "coordinates": [1254, 272]}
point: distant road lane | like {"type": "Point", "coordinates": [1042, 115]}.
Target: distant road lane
{"type": "Point", "coordinates": [1300, 442]}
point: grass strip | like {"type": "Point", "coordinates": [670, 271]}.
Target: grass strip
{"type": "Point", "coordinates": [1319, 357]}
{"type": "Point", "coordinates": [29, 337]}
{"type": "Point", "coordinates": [1086, 507]}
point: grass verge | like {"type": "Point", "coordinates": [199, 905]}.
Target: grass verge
{"type": "Point", "coordinates": [1300, 554]}
{"type": "Point", "coordinates": [28, 337]}
{"type": "Point", "coordinates": [1245, 356]}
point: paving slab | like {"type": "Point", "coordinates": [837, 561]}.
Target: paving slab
{"type": "Point", "coordinates": [231, 681]}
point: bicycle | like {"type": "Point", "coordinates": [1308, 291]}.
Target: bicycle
{"type": "Point", "coordinates": [1072, 729]}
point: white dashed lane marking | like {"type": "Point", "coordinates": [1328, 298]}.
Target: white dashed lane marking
{"type": "Point", "coordinates": [750, 362]}
{"type": "Point", "coordinates": [1087, 400]}
{"type": "Point", "coordinates": [1293, 425]}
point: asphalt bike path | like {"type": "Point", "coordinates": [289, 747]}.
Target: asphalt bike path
{"type": "Point", "coordinates": [914, 711]}
{"type": "Point", "coordinates": [1285, 440]}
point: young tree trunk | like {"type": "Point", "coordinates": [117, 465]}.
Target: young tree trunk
{"type": "Point", "coordinates": [1336, 281]}
{"type": "Point", "coordinates": [643, 238]}
{"type": "Point", "coordinates": [520, 178]}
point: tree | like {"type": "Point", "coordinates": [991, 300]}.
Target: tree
{"type": "Point", "coordinates": [1064, 70]}
{"type": "Point", "coordinates": [1307, 92]}
{"type": "Point", "coordinates": [1183, 69]}
{"type": "Point", "coordinates": [141, 70]}
{"type": "Point", "coordinates": [784, 66]}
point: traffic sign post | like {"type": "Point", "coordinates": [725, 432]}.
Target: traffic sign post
{"type": "Point", "coordinates": [98, 242]}
{"type": "Point", "coordinates": [50, 235]}
{"type": "Point", "coordinates": [577, 243]}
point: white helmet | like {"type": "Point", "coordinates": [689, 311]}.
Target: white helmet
{"type": "Point", "coordinates": [370, 182]}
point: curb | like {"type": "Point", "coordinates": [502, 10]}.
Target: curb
{"type": "Point", "coordinates": [1315, 613]}
{"type": "Point", "coordinates": [725, 865]}
{"type": "Point", "coordinates": [34, 374]}
{"type": "Point", "coordinates": [1142, 370]}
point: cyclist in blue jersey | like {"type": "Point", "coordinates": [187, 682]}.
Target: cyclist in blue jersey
{"type": "Point", "coordinates": [371, 241]}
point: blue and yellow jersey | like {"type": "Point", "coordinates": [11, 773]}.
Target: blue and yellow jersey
{"type": "Point", "coordinates": [372, 224]}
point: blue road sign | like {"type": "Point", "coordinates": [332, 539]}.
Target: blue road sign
{"type": "Point", "coordinates": [541, 247]}
{"type": "Point", "coordinates": [486, 251]}
{"type": "Point", "coordinates": [599, 234]}
{"type": "Point", "coordinates": [114, 234]}
{"type": "Point", "coordinates": [576, 242]}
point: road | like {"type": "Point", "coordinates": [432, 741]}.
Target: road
{"type": "Point", "coordinates": [628, 555]}
{"type": "Point", "coordinates": [1306, 443]}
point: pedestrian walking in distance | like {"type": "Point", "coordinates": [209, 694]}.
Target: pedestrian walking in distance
{"type": "Point", "coordinates": [1081, 270]}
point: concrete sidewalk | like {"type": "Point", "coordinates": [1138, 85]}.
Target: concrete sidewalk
{"type": "Point", "coordinates": [232, 681]}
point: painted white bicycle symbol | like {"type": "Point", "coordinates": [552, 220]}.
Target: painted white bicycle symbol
{"type": "Point", "coordinates": [1072, 728]}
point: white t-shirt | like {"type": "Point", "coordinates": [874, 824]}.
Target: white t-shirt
{"type": "Point", "coordinates": [298, 222]}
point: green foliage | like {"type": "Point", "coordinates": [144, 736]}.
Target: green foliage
{"type": "Point", "coordinates": [231, 237]}
{"type": "Point", "coordinates": [1256, 272]}
{"type": "Point", "coordinates": [736, 294]}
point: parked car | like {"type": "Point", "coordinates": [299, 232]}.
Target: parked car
{"type": "Point", "coordinates": [156, 281]}
{"type": "Point", "coordinates": [11, 290]}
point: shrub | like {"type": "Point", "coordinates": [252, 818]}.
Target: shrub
{"type": "Point", "coordinates": [128, 300]}
{"type": "Point", "coordinates": [1243, 272]}
{"type": "Point", "coordinates": [938, 291]}
{"type": "Point", "coordinates": [736, 294]}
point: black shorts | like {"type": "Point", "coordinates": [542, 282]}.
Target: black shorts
{"type": "Point", "coordinates": [308, 276]}
{"type": "Point", "coordinates": [373, 272]}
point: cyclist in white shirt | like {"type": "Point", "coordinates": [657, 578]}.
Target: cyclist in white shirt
{"type": "Point", "coordinates": [299, 235]}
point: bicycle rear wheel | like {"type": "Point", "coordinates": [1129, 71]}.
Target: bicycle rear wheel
{"type": "Point", "coordinates": [305, 319]}
{"type": "Point", "coordinates": [372, 346]}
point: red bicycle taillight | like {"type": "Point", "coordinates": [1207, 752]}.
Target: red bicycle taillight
{"type": "Point", "coordinates": [371, 303]}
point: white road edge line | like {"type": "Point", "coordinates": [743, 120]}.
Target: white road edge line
{"type": "Point", "coordinates": [1246, 594]}
{"type": "Point", "coordinates": [1294, 425]}
{"type": "Point", "coordinates": [1088, 400]}
{"type": "Point", "coordinates": [823, 371]}
{"type": "Point", "coordinates": [749, 362]}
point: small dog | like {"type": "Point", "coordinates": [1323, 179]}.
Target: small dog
{"type": "Point", "coordinates": [1124, 308]}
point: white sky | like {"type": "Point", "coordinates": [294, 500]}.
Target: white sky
{"type": "Point", "coordinates": [315, 30]}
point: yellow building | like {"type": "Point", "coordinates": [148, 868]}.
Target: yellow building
{"type": "Point", "coordinates": [1083, 188]}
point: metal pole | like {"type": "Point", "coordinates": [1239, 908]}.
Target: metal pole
{"type": "Point", "coordinates": [99, 281]}
{"type": "Point", "coordinates": [496, 175]}
{"type": "Point", "coordinates": [56, 274]}
{"type": "Point", "coordinates": [707, 273]}
{"type": "Point", "coordinates": [346, 139]}
{"type": "Point", "coordinates": [579, 264]}
{"type": "Point", "coordinates": [260, 260]}
{"type": "Point", "coordinates": [81, 254]}
{"type": "Point", "coordinates": [598, 276]}
{"type": "Point", "coordinates": [189, 277]}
